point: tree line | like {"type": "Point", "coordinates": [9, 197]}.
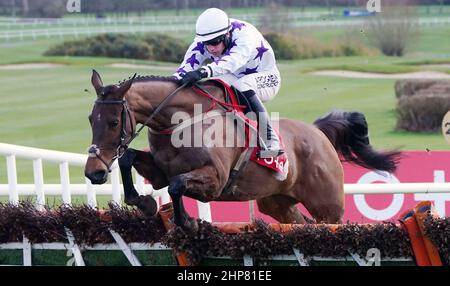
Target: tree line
{"type": "Point", "coordinates": [57, 8]}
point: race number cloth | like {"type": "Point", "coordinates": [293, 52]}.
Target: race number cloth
{"type": "Point", "coordinates": [277, 164]}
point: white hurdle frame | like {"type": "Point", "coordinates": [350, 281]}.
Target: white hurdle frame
{"type": "Point", "coordinates": [65, 189]}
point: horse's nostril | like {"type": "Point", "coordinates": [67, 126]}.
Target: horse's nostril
{"type": "Point", "coordinates": [100, 174]}
{"type": "Point", "coordinates": [97, 177]}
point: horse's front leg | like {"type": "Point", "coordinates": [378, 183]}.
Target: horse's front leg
{"type": "Point", "coordinates": [144, 164]}
{"type": "Point", "coordinates": [203, 182]}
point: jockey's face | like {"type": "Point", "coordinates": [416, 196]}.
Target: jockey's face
{"type": "Point", "coordinates": [216, 50]}
{"type": "Point", "coordinates": [215, 46]}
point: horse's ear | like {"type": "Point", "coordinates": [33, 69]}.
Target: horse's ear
{"type": "Point", "coordinates": [96, 81]}
{"type": "Point", "coordinates": [124, 87]}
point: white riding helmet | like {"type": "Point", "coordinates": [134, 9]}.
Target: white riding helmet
{"type": "Point", "coordinates": [210, 24]}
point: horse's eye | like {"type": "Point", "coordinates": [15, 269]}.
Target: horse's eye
{"type": "Point", "coordinates": [113, 123]}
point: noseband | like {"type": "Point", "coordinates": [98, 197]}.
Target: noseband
{"type": "Point", "coordinates": [94, 150]}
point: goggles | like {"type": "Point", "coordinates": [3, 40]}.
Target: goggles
{"type": "Point", "coordinates": [214, 42]}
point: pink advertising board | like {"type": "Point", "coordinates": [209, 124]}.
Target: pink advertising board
{"type": "Point", "coordinates": [415, 167]}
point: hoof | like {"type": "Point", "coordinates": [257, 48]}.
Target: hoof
{"type": "Point", "coordinates": [147, 205]}
{"type": "Point", "coordinates": [132, 201]}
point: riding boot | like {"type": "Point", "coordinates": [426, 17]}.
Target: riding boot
{"type": "Point", "coordinates": [271, 146]}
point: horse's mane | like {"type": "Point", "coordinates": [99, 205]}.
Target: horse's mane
{"type": "Point", "coordinates": [145, 78]}
{"type": "Point", "coordinates": [139, 78]}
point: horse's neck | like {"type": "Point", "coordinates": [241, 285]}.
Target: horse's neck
{"type": "Point", "coordinates": [145, 97]}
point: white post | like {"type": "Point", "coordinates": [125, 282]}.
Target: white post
{"type": "Point", "coordinates": [204, 211]}
{"type": "Point", "coordinates": [39, 184]}
{"type": "Point", "coordinates": [140, 184]}
{"type": "Point", "coordinates": [115, 181]}
{"type": "Point", "coordinates": [165, 198]}
{"type": "Point", "coordinates": [12, 179]}
{"type": "Point", "coordinates": [251, 211]}
{"type": "Point", "coordinates": [90, 194]}
{"type": "Point", "coordinates": [158, 203]}
{"type": "Point", "coordinates": [65, 182]}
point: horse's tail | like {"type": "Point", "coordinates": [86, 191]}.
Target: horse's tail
{"type": "Point", "coordinates": [348, 132]}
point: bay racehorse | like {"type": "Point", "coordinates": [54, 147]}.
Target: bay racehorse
{"type": "Point", "coordinates": [315, 175]}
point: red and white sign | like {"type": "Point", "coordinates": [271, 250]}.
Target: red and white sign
{"type": "Point", "coordinates": [415, 167]}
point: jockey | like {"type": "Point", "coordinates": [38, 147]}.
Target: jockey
{"type": "Point", "coordinates": [240, 57]}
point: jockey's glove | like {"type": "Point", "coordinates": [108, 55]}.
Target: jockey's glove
{"type": "Point", "coordinates": [192, 77]}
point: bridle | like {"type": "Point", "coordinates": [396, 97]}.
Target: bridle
{"type": "Point", "coordinates": [94, 150]}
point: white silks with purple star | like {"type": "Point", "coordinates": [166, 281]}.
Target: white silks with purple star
{"type": "Point", "coordinates": [248, 54]}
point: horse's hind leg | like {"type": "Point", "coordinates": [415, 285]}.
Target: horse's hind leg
{"type": "Point", "coordinates": [328, 208]}
{"type": "Point", "coordinates": [326, 213]}
{"type": "Point", "coordinates": [282, 208]}
{"type": "Point", "coordinates": [144, 164]}
{"type": "Point", "coordinates": [325, 199]}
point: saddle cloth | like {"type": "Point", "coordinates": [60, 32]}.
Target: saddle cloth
{"type": "Point", "coordinates": [278, 164]}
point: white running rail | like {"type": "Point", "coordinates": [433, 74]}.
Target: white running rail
{"type": "Point", "coordinates": [65, 189]}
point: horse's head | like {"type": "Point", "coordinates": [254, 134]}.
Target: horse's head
{"type": "Point", "coordinates": [113, 126]}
